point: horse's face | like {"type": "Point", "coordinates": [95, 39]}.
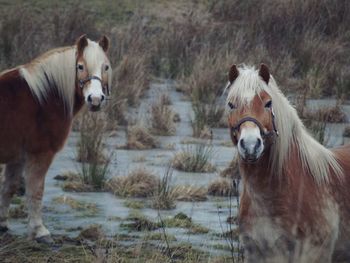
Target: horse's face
{"type": "Point", "coordinates": [93, 71]}
{"type": "Point", "coordinates": [252, 122]}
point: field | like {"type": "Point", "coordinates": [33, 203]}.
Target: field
{"type": "Point", "coordinates": [153, 177]}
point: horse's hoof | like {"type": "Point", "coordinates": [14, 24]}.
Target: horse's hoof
{"type": "Point", "coordinates": [3, 229]}
{"type": "Point", "coordinates": [45, 240]}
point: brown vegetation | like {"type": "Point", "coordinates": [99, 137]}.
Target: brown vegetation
{"type": "Point", "coordinates": [222, 187]}
{"type": "Point", "coordinates": [194, 158]}
{"type": "Point", "coordinates": [190, 193]}
{"type": "Point", "coordinates": [140, 138]}
{"type": "Point", "coordinates": [139, 183]}
{"type": "Point", "coordinates": [162, 118]}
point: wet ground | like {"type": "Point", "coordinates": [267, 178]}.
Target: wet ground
{"type": "Point", "coordinates": [111, 211]}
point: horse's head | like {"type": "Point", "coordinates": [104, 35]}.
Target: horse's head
{"type": "Point", "coordinates": [93, 71]}
{"type": "Point", "coordinates": [251, 116]}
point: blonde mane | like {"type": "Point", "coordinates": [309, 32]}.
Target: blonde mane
{"type": "Point", "coordinates": [317, 159]}
{"type": "Point", "coordinates": [54, 69]}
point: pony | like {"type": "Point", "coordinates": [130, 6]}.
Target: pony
{"type": "Point", "coordinates": [38, 102]}
{"type": "Point", "coordinates": [294, 197]}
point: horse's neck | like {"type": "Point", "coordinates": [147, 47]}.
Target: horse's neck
{"type": "Point", "coordinates": [261, 183]}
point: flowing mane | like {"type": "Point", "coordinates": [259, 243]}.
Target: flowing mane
{"type": "Point", "coordinates": [54, 69]}
{"type": "Point", "coordinates": [315, 158]}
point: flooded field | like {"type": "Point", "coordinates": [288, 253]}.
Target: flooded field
{"type": "Point", "coordinates": [68, 213]}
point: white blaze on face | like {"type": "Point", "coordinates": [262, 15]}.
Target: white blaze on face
{"type": "Point", "coordinates": [94, 92]}
{"type": "Point", "coordinates": [250, 142]}
{"type": "Point", "coordinates": [95, 59]}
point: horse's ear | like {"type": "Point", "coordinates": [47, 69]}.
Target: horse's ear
{"type": "Point", "coordinates": [104, 43]}
{"type": "Point", "coordinates": [264, 73]}
{"type": "Point", "coordinates": [233, 73]}
{"type": "Point", "coordinates": [81, 43]}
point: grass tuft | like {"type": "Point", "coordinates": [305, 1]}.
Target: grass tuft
{"type": "Point", "coordinates": [194, 158]}
{"type": "Point", "coordinates": [140, 138]}
{"type": "Point", "coordinates": [139, 183]}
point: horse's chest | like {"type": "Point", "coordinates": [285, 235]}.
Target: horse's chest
{"type": "Point", "coordinates": [263, 232]}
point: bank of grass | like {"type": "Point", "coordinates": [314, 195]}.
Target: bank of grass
{"type": "Point", "coordinates": [88, 248]}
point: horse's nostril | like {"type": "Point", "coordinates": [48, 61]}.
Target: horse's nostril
{"type": "Point", "coordinates": [89, 98]}
{"type": "Point", "coordinates": [241, 142]}
{"type": "Point", "coordinates": [102, 98]}
{"type": "Point", "coordinates": [258, 143]}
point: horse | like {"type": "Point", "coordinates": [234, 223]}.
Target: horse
{"type": "Point", "coordinates": [295, 197]}
{"type": "Point", "coordinates": [38, 102]}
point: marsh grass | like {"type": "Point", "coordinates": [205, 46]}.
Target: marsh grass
{"type": "Point", "coordinates": [223, 187]}
{"type": "Point", "coordinates": [205, 116]}
{"type": "Point", "coordinates": [94, 164]}
{"type": "Point", "coordinates": [138, 183]}
{"type": "Point", "coordinates": [329, 114]}
{"type": "Point", "coordinates": [92, 232]}
{"type": "Point", "coordinates": [139, 137]}
{"type": "Point", "coordinates": [164, 198]}
{"type": "Point", "coordinates": [190, 193]}
{"type": "Point", "coordinates": [162, 117]}
{"type": "Point", "coordinates": [181, 220]}
{"type": "Point", "coordinates": [88, 209]}
{"type": "Point", "coordinates": [131, 80]}
{"type": "Point", "coordinates": [316, 121]}
{"type": "Point", "coordinates": [194, 158]}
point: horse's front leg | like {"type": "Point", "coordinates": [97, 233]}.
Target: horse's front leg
{"type": "Point", "coordinates": [35, 171]}
{"type": "Point", "coordinates": [11, 182]}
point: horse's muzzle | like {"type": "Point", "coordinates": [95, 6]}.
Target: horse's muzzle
{"type": "Point", "coordinates": [94, 108]}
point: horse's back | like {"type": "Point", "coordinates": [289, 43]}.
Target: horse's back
{"type": "Point", "coordinates": [27, 126]}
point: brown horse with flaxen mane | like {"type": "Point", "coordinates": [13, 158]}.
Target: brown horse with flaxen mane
{"type": "Point", "coordinates": [295, 199]}
{"type": "Point", "coordinates": [38, 102]}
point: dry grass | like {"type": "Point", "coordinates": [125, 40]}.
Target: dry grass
{"type": "Point", "coordinates": [139, 183]}
{"type": "Point", "coordinates": [140, 138]}
{"type": "Point", "coordinates": [164, 197]}
{"type": "Point", "coordinates": [90, 144]}
{"type": "Point", "coordinates": [331, 114]}
{"type": "Point", "coordinates": [92, 232]}
{"type": "Point", "coordinates": [316, 121]}
{"type": "Point", "coordinates": [189, 193]}
{"type": "Point", "coordinates": [131, 80]}
{"type": "Point", "coordinates": [162, 117]}
{"type": "Point", "coordinates": [194, 158]}
{"type": "Point", "coordinates": [222, 187]}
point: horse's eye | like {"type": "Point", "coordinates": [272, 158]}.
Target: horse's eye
{"type": "Point", "coordinates": [268, 104]}
{"type": "Point", "coordinates": [106, 67]}
{"type": "Point", "coordinates": [80, 67]}
{"type": "Point", "coordinates": [231, 105]}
